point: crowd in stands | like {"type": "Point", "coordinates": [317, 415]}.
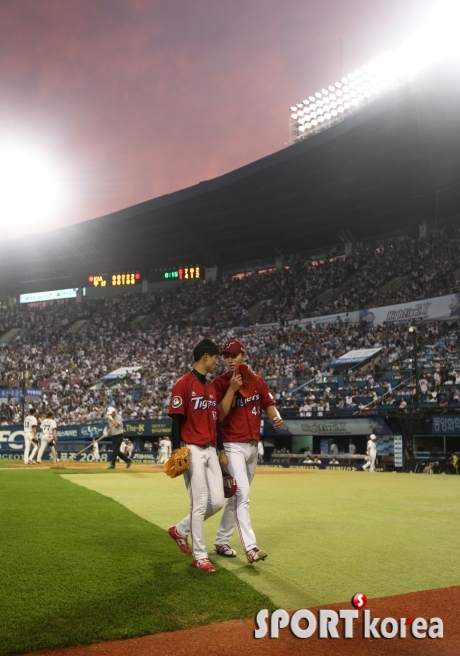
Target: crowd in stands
{"type": "Point", "coordinates": [68, 365]}
{"type": "Point", "coordinates": [420, 268]}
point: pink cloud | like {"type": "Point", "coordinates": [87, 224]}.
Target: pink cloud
{"type": "Point", "coordinates": [136, 98]}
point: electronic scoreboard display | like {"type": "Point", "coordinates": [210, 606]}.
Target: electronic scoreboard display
{"type": "Point", "coordinates": [183, 273]}
{"type": "Point", "coordinates": [114, 279]}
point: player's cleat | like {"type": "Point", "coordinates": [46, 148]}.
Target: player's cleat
{"type": "Point", "coordinates": [111, 467]}
{"type": "Point", "coordinates": [204, 564]}
{"type": "Point", "coordinates": [182, 541]}
{"type": "Point", "coordinates": [224, 550]}
{"type": "Point", "coordinates": [254, 555]}
{"type": "Point", "coordinates": [128, 464]}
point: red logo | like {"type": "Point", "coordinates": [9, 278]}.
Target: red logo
{"type": "Point", "coordinates": [359, 601]}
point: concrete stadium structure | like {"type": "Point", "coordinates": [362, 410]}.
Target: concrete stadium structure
{"type": "Point", "coordinates": [382, 171]}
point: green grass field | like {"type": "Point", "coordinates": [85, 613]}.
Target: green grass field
{"type": "Point", "coordinates": [78, 568]}
{"type": "Point", "coordinates": [85, 556]}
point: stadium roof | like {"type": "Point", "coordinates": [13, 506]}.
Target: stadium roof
{"type": "Point", "coordinates": [375, 173]}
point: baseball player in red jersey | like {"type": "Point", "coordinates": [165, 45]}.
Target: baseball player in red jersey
{"type": "Point", "coordinates": [193, 409]}
{"type": "Point", "coordinates": [240, 427]}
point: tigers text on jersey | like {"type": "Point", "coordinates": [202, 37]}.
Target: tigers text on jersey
{"type": "Point", "coordinates": [47, 427]}
{"type": "Point", "coordinates": [197, 403]}
{"type": "Point", "coordinates": [243, 421]}
{"type": "Point", "coordinates": [29, 422]}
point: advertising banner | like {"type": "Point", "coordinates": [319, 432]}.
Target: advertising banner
{"type": "Point", "coordinates": [445, 425]}
{"type": "Point", "coordinates": [38, 297]}
{"type": "Point", "coordinates": [12, 436]}
{"type": "Point", "coordinates": [333, 427]}
{"type": "Point", "coordinates": [151, 427]}
{"type": "Point", "coordinates": [346, 317]}
{"type": "Point", "coordinates": [16, 393]}
{"type": "Point", "coordinates": [437, 308]}
{"type": "Point", "coordinates": [440, 307]}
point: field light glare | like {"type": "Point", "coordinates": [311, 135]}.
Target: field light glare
{"type": "Point", "coordinates": [29, 188]}
{"type": "Point", "coordinates": [436, 41]}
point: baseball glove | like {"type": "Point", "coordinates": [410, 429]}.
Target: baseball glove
{"type": "Point", "coordinates": [230, 486]}
{"type": "Point", "coordinates": [177, 462]}
{"type": "Point", "coordinates": [249, 385]}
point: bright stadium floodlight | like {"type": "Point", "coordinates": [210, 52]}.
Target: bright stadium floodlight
{"type": "Point", "coordinates": [30, 188]}
{"type": "Point", "coordinates": [436, 41]}
{"type": "Point", "coordinates": [294, 116]}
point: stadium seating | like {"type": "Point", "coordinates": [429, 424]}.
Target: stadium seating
{"type": "Point", "coordinates": [67, 347]}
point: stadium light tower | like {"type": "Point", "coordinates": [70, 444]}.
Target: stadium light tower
{"type": "Point", "coordinates": [437, 40]}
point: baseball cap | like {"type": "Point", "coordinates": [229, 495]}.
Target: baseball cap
{"type": "Point", "coordinates": [110, 409]}
{"type": "Point", "coordinates": [234, 347]}
{"type": "Point", "coordinates": [373, 437]}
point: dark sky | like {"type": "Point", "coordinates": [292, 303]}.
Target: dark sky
{"type": "Point", "coordinates": [136, 98]}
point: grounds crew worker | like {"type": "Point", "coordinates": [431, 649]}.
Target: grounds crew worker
{"type": "Point", "coordinates": [115, 428]}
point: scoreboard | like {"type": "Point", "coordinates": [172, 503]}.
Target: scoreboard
{"type": "Point", "coordinates": [114, 279]}
{"type": "Point", "coordinates": [125, 278]}
{"type": "Point", "coordinates": [184, 273]}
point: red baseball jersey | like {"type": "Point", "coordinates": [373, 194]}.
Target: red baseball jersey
{"type": "Point", "coordinates": [243, 421]}
{"type": "Point", "coordinates": [198, 405]}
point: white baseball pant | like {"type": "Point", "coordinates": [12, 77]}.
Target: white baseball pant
{"type": "Point", "coordinates": [28, 443]}
{"type": "Point", "coordinates": [242, 463]}
{"type": "Point", "coordinates": [163, 456]}
{"type": "Point", "coordinates": [371, 462]}
{"type": "Point", "coordinates": [44, 442]}
{"type": "Point", "coordinates": [203, 480]}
